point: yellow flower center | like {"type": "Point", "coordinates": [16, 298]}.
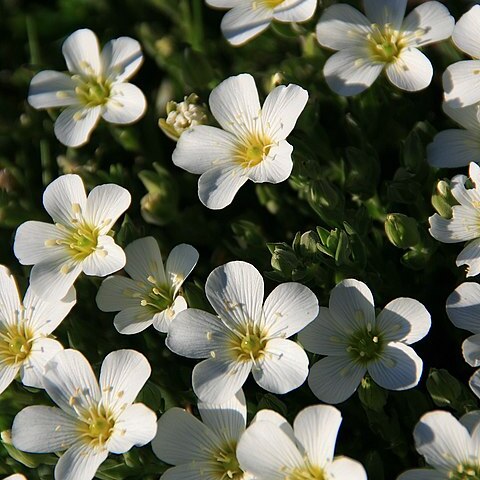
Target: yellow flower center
{"type": "Point", "coordinates": [227, 463]}
{"type": "Point", "coordinates": [465, 472]}
{"type": "Point", "coordinates": [253, 150]}
{"type": "Point", "coordinates": [269, 3]}
{"type": "Point", "coordinates": [310, 472]}
{"type": "Point", "coordinates": [97, 426]}
{"type": "Point", "coordinates": [155, 295]}
{"type": "Point", "coordinates": [15, 343]}
{"type": "Point", "coordinates": [92, 91]}
{"type": "Point", "coordinates": [385, 43]}
{"type": "Point", "coordinates": [249, 344]}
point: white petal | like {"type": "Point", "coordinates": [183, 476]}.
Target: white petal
{"type": "Point", "coordinates": [470, 256]}
{"type": "Point", "coordinates": [351, 303]}
{"type": "Point", "coordinates": [80, 462]}
{"type": "Point", "coordinates": [462, 227]}
{"type": "Point", "coordinates": [467, 117]}
{"type": "Point", "coordinates": [266, 451]}
{"type": "Point", "coordinates": [70, 382]}
{"type": "Point", "coordinates": [235, 291]}
{"type": "Point", "coordinates": [325, 335]}
{"type": "Point", "coordinates": [51, 89]}
{"type": "Point", "coordinates": [108, 258]}
{"type": "Point", "coordinates": [9, 299]}
{"type": "Point", "coordinates": [105, 203]}
{"type": "Point", "coordinates": [121, 58]}
{"type": "Point", "coordinates": [471, 350]}
{"type": "Point", "coordinates": [224, 3]}
{"type": "Point", "coordinates": [202, 147]}
{"type": "Point", "coordinates": [463, 307]}
{"type": "Point", "coordinates": [123, 374]}
{"type": "Point", "coordinates": [133, 320]}
{"type": "Point", "coordinates": [281, 109]}
{"type": "Point", "coordinates": [114, 294]}
{"type": "Point", "coordinates": [126, 104]}
{"type": "Point", "coordinates": [136, 426]}
{"type": "Point", "coordinates": [8, 372]}
{"type": "Point", "coordinates": [429, 22]}
{"type": "Point", "coordinates": [412, 71]}
{"type": "Point", "coordinates": [16, 476]}
{"type": "Point", "coordinates": [474, 383]}
{"type": "Point", "coordinates": [206, 470]}
{"type": "Point", "coordinates": [399, 367]}
{"type": "Point", "coordinates": [295, 10]}
{"type": "Point", "coordinates": [144, 259]}
{"type": "Point", "coordinates": [404, 320]}
{"type": "Point", "coordinates": [235, 104]}
{"type": "Point", "coordinates": [454, 148]}
{"type": "Point", "coordinates": [61, 195]}
{"type": "Point", "coordinates": [381, 12]}
{"type": "Point", "coordinates": [461, 83]}
{"type": "Point", "coordinates": [275, 418]}
{"type": "Point", "coordinates": [342, 26]}
{"type": "Point", "coordinates": [163, 320]}
{"type": "Point", "coordinates": [195, 334]}
{"type": "Point", "coordinates": [334, 379]}
{"type": "Point", "coordinates": [180, 263]}
{"type": "Point", "coordinates": [289, 308]}
{"type": "Point", "coordinates": [350, 71]}
{"type": "Point", "coordinates": [216, 380]}
{"type": "Point", "coordinates": [466, 35]}
{"type": "Point", "coordinates": [442, 440]}
{"type": "Point", "coordinates": [33, 367]}
{"type": "Point", "coordinates": [422, 474]}
{"type": "Point", "coordinates": [228, 419]}
{"type": "Point", "coordinates": [316, 428]}
{"type": "Point", "coordinates": [274, 168]}
{"type": "Point", "coordinates": [40, 429]}
{"type": "Point", "coordinates": [283, 367]}
{"type": "Point", "coordinates": [470, 420]}
{"type": "Point", "coordinates": [182, 438]}
{"type": "Point", "coordinates": [344, 468]}
{"type": "Point", "coordinates": [81, 53]}
{"type": "Point", "coordinates": [244, 22]}
{"type": "Point", "coordinates": [75, 124]}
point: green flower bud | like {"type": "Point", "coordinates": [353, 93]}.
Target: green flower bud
{"type": "Point", "coordinates": [371, 395]}
{"type": "Point", "coordinates": [442, 198]}
{"type": "Point", "coordinates": [444, 389]}
{"type": "Point", "coordinates": [401, 230]}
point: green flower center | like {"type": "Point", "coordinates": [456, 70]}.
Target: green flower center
{"type": "Point", "coordinates": [92, 91]}
{"type": "Point", "coordinates": [98, 426]}
{"type": "Point", "coordinates": [154, 295]}
{"type": "Point", "coordinates": [271, 3]}
{"type": "Point", "coordinates": [366, 345]}
{"type": "Point", "coordinates": [248, 344]}
{"type": "Point", "coordinates": [253, 151]}
{"type": "Point", "coordinates": [465, 472]}
{"type": "Point", "coordinates": [15, 344]}
{"type": "Point", "coordinates": [385, 44]}
{"type": "Point", "coordinates": [310, 472]}
{"type": "Point", "coordinates": [227, 463]}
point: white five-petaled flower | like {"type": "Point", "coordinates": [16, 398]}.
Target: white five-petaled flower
{"type": "Point", "coordinates": [356, 342]}
{"type": "Point", "coordinates": [271, 449]}
{"type": "Point", "coordinates": [463, 309]}
{"type": "Point", "coordinates": [465, 222]}
{"type": "Point", "coordinates": [204, 451]}
{"type": "Point", "coordinates": [461, 81]}
{"type": "Point", "coordinates": [247, 336]}
{"type": "Point", "coordinates": [381, 40]}
{"type": "Point", "coordinates": [95, 88]}
{"type": "Point", "coordinates": [79, 239]}
{"type": "Point", "coordinates": [151, 295]}
{"type": "Point", "coordinates": [252, 144]}
{"type": "Point", "coordinates": [456, 147]}
{"type": "Point", "coordinates": [248, 18]}
{"type": "Point", "coordinates": [450, 446]}
{"type": "Point", "coordinates": [25, 346]}
{"type": "Point", "coordinates": [94, 418]}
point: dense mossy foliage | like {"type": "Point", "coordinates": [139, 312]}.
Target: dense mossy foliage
{"type": "Point", "coordinates": [356, 206]}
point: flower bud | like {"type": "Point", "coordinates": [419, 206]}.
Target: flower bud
{"type": "Point", "coordinates": [442, 199]}
{"type": "Point", "coordinates": [401, 230]}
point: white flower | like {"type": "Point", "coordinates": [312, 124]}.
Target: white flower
{"type": "Point", "coordinates": [356, 343]}
{"type": "Point", "coordinates": [272, 450]}
{"type": "Point", "coordinates": [382, 40]}
{"type": "Point", "coordinates": [16, 476]}
{"type": "Point", "coordinates": [456, 147]}
{"type": "Point", "coordinates": [465, 222]}
{"type": "Point", "coordinates": [461, 81]}
{"type": "Point", "coordinates": [251, 145]}
{"type": "Point", "coordinates": [450, 446]}
{"type": "Point", "coordinates": [151, 296]}
{"type": "Point", "coordinates": [202, 450]}
{"type": "Point", "coordinates": [78, 241]}
{"type": "Point", "coordinates": [95, 88]}
{"type": "Point", "coordinates": [463, 309]}
{"type": "Point", "coordinates": [247, 336]}
{"type": "Point", "coordinates": [248, 18]}
{"type": "Point", "coordinates": [94, 418]}
{"type": "Point", "coordinates": [25, 346]}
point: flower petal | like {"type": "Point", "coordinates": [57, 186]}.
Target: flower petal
{"type": "Point", "coordinates": [275, 418]}
{"type": "Point", "coordinates": [474, 383]}
{"type": "Point", "coordinates": [412, 71]}
{"type": "Point", "coordinates": [454, 148]}
{"type": "Point", "coordinates": [316, 428]}
{"type": "Point", "coordinates": [461, 83]}
{"type": "Point", "coordinates": [462, 227]}
{"type": "Point", "coordinates": [235, 291]}
{"type": "Point", "coordinates": [133, 320]}
{"type": "Point", "coordinates": [50, 89]}
{"type": "Point", "coordinates": [282, 368]}
{"type": "Point", "coordinates": [428, 23]}
{"type": "Point", "coordinates": [39, 429]}
{"type": "Point", "coordinates": [107, 258]}
{"type": "Point", "coordinates": [163, 320]}
{"type": "Point", "coordinates": [350, 71]}
{"type": "Point", "coordinates": [344, 468]}
{"type": "Point", "coordinates": [463, 307]}
{"type": "Point", "coordinates": [422, 474]}
{"type": "Point", "coordinates": [470, 256]}
{"type": "Point", "coordinates": [82, 54]}
{"type": "Point", "coordinates": [135, 426]}
{"type": "Point", "coordinates": [75, 124]}
{"type": "Point", "coordinates": [466, 35]}
{"type": "Point", "coordinates": [381, 12]}
{"type": "Point", "coordinates": [123, 374]}
{"type": "Point", "coordinates": [121, 58]}
{"type": "Point", "coordinates": [399, 367]}
{"type": "Point", "coordinates": [289, 308]}
{"type": "Point", "coordinates": [334, 379]}
{"type": "Point", "coordinates": [80, 462]}
{"type": "Point", "coordinates": [206, 470]}
{"type": "Point", "coordinates": [276, 167]}
{"type": "Point", "coordinates": [295, 10]}
{"type": "Point", "coordinates": [126, 104]}
{"type": "Point", "coordinates": [471, 350]}
{"type": "Point", "coordinates": [117, 293]}
{"type": "Point", "coordinates": [9, 299]}
{"type": "Point", "coordinates": [467, 117]}
{"type": "Point", "coordinates": [470, 420]}
{"type": "Point", "coordinates": [144, 259]}
{"type": "Point", "coordinates": [180, 262]}
{"type": "Point", "coordinates": [8, 372]}
{"type": "Point", "coordinates": [342, 26]}
{"type": "Point", "coordinates": [404, 320]}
